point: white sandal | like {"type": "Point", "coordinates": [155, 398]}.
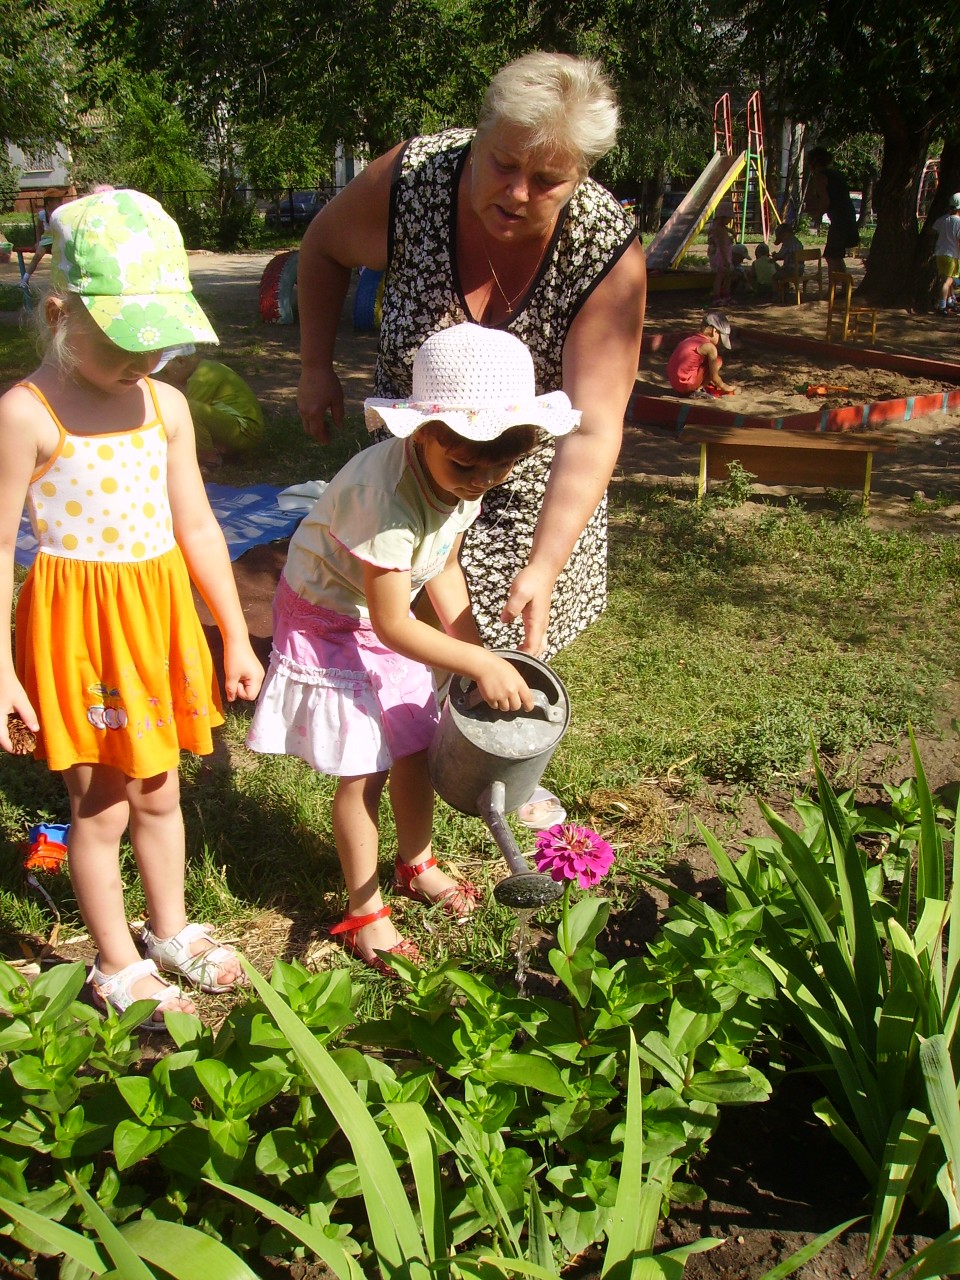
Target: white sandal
{"type": "Point", "coordinates": [551, 811]}
{"type": "Point", "coordinates": [174, 956]}
{"type": "Point", "coordinates": [116, 990]}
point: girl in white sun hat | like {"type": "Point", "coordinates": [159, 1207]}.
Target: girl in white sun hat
{"type": "Point", "coordinates": [350, 687]}
{"type": "Point", "coordinates": [113, 673]}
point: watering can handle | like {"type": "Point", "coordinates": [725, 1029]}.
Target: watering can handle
{"type": "Point", "coordinates": [552, 714]}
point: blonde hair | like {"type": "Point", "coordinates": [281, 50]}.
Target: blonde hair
{"type": "Point", "coordinates": [54, 340]}
{"type": "Point", "coordinates": [566, 105]}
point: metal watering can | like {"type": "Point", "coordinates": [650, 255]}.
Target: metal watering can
{"type": "Point", "coordinates": [489, 762]}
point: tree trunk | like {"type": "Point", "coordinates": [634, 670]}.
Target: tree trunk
{"type": "Point", "coordinates": [866, 204]}
{"type": "Point", "coordinates": [892, 267]}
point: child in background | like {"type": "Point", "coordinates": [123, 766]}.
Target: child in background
{"type": "Point", "coordinates": [113, 672]}
{"type": "Point", "coordinates": [720, 255]}
{"type": "Point", "coordinates": [790, 245]}
{"type": "Point", "coordinates": [947, 253]}
{"type": "Point", "coordinates": [349, 687]}
{"type": "Point", "coordinates": [762, 271]}
{"type": "Point", "coordinates": [44, 237]}
{"type": "Point", "coordinates": [227, 418]}
{"type": "Point", "coordinates": [695, 362]}
{"type": "Point", "coordinates": [739, 278]}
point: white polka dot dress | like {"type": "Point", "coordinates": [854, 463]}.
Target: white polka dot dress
{"type": "Point", "coordinates": [109, 645]}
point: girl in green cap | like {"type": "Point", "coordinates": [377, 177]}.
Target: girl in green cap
{"type": "Point", "coordinates": [112, 673]}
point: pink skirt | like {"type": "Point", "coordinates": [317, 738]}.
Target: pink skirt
{"type": "Point", "coordinates": [338, 698]}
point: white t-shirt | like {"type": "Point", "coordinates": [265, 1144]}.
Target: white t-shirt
{"type": "Point", "coordinates": [948, 236]}
{"type": "Point", "coordinates": [379, 509]}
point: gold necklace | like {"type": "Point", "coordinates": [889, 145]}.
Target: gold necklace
{"type": "Point", "coordinates": [512, 302]}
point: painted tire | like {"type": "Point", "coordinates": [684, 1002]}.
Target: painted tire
{"type": "Point", "coordinates": [278, 301]}
{"type": "Point", "coordinates": [367, 300]}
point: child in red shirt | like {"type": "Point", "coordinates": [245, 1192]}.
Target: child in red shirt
{"type": "Point", "coordinates": [695, 362]}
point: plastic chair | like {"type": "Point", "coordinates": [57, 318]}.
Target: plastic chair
{"type": "Point", "coordinates": [852, 314]}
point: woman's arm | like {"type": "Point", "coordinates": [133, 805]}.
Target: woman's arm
{"type": "Point", "coordinates": [600, 358]}
{"type": "Point", "coordinates": [387, 593]}
{"type": "Point", "coordinates": [204, 549]}
{"type": "Point", "coordinates": [350, 231]}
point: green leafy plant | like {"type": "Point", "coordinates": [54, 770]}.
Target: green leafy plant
{"type": "Point", "coordinates": [865, 982]}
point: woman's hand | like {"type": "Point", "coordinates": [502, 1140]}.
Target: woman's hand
{"type": "Point", "coordinates": [319, 393]}
{"type": "Point", "coordinates": [529, 599]}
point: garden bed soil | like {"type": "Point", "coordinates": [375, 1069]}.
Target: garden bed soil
{"type": "Point", "coordinates": [773, 1177]}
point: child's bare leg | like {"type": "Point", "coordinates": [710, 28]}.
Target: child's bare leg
{"type": "Point", "coordinates": [411, 796]}
{"type": "Point", "coordinates": [357, 833]}
{"type": "Point", "coordinates": [156, 833]}
{"type": "Point", "coordinates": [99, 812]}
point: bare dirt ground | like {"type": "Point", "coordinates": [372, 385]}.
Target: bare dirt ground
{"type": "Point", "coordinates": [773, 1176]}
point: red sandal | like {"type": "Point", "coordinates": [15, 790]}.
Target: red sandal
{"type": "Point", "coordinates": [458, 900]}
{"type": "Point", "coordinates": [348, 928]}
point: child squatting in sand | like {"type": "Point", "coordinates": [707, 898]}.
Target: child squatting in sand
{"type": "Point", "coordinates": [695, 363]}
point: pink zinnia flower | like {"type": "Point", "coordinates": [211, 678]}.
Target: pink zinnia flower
{"type": "Point", "coordinates": [566, 852]}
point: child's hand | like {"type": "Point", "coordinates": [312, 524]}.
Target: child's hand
{"type": "Point", "coordinates": [242, 672]}
{"type": "Point", "coordinates": [503, 687]}
{"type": "Point", "coordinates": [14, 701]}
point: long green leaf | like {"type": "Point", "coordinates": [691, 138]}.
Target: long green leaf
{"type": "Point", "coordinates": [421, 1143]}
{"type": "Point", "coordinates": [623, 1242]}
{"type": "Point", "coordinates": [941, 1257]}
{"type": "Point", "coordinates": [832, 946]}
{"type": "Point", "coordinates": [859, 923]}
{"type": "Point", "coordinates": [473, 1158]}
{"type": "Point", "coordinates": [796, 1260]}
{"type": "Point", "coordinates": [538, 1231]}
{"type": "Point", "coordinates": [908, 1135]}
{"type": "Point", "coordinates": [518, 1266]}
{"type": "Point", "coordinates": [951, 998]}
{"type": "Point", "coordinates": [896, 1044]}
{"type": "Point", "coordinates": [184, 1252]}
{"type": "Point", "coordinates": [58, 1239]}
{"type": "Point", "coordinates": [942, 1096]}
{"type": "Point", "coordinates": [330, 1251]}
{"type": "Point", "coordinates": [907, 970]}
{"type": "Point", "coordinates": [827, 1113]}
{"type": "Point", "coordinates": [931, 881]}
{"type": "Point", "coordinates": [126, 1261]}
{"type": "Point", "coordinates": [396, 1238]}
{"type": "Point", "coordinates": [739, 893]}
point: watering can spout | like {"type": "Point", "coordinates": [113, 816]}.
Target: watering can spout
{"type": "Point", "coordinates": [524, 888]}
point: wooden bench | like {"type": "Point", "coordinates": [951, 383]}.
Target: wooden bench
{"type": "Point", "coordinates": [823, 458]}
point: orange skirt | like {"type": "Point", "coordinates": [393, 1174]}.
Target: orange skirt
{"type": "Point", "coordinates": [115, 662]}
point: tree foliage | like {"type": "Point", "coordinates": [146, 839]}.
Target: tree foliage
{"type": "Point", "coordinates": [846, 67]}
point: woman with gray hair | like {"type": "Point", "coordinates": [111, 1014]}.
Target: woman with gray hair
{"type": "Point", "coordinates": [502, 226]}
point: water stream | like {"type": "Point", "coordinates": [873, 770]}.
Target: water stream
{"type": "Point", "coordinates": [522, 944]}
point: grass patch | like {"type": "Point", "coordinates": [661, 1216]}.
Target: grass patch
{"type": "Point", "coordinates": [18, 353]}
{"type": "Point", "coordinates": [730, 644]}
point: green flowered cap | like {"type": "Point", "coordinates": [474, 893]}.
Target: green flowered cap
{"type": "Point", "coordinates": [125, 258]}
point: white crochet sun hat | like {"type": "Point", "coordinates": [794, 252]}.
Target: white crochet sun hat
{"type": "Point", "coordinates": [479, 382]}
